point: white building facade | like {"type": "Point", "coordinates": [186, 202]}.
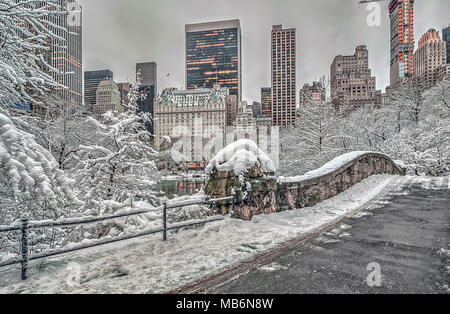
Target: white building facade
{"type": "Point", "coordinates": [108, 98]}
{"type": "Point", "coordinates": [195, 115]}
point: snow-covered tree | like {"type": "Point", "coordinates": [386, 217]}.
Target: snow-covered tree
{"type": "Point", "coordinates": [30, 177]}
{"type": "Point", "coordinates": [25, 34]}
{"type": "Point", "coordinates": [314, 140]}
{"type": "Point", "coordinates": [408, 100]}
{"type": "Point", "coordinates": [413, 127]}
{"type": "Point", "coordinates": [61, 128]}
{"type": "Point", "coordinates": [121, 162]}
{"type": "Point", "coordinates": [437, 99]}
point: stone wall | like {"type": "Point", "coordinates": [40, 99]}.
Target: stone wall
{"type": "Point", "coordinates": [262, 194]}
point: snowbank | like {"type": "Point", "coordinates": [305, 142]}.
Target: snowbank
{"type": "Point", "coordinates": [239, 157]}
{"type": "Point", "coordinates": [328, 168]}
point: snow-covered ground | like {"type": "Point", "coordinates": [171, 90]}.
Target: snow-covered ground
{"type": "Point", "coordinates": [148, 265]}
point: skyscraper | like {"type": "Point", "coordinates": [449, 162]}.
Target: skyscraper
{"type": "Point", "coordinates": [232, 106]}
{"type": "Point", "coordinates": [213, 56]}
{"type": "Point", "coordinates": [429, 57]}
{"type": "Point", "coordinates": [446, 38]}
{"type": "Point", "coordinates": [91, 81]}
{"type": "Point", "coordinates": [149, 88]}
{"type": "Point", "coordinates": [66, 56]}
{"type": "Point", "coordinates": [352, 82]}
{"type": "Point", "coordinates": [283, 76]}
{"type": "Point", "coordinates": [266, 101]}
{"type": "Point", "coordinates": [401, 14]}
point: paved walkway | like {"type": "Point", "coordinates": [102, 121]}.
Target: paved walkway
{"type": "Point", "coordinates": [408, 239]}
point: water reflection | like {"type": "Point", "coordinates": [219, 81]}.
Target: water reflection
{"type": "Point", "coordinates": [174, 188]}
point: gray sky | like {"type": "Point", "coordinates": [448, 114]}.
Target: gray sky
{"type": "Point", "coordinates": [119, 33]}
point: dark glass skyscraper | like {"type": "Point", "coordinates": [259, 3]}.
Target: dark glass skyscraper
{"type": "Point", "coordinates": [213, 56]}
{"type": "Point", "coordinates": [446, 37]}
{"type": "Point", "coordinates": [149, 88]}
{"type": "Point", "coordinates": [91, 81]}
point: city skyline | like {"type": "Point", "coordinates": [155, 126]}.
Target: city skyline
{"type": "Point", "coordinates": [122, 45]}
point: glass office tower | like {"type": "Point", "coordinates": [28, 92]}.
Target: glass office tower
{"type": "Point", "coordinates": [213, 56]}
{"type": "Point", "coordinates": [149, 88]}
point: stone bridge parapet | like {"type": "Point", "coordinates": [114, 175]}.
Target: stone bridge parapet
{"type": "Point", "coordinates": [261, 193]}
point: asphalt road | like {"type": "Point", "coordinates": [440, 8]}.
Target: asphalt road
{"type": "Point", "coordinates": [408, 238]}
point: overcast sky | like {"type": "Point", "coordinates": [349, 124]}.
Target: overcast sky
{"type": "Point", "coordinates": [119, 33]}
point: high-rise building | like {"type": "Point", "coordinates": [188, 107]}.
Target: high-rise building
{"type": "Point", "coordinates": [266, 101]}
{"type": "Point", "coordinates": [401, 14]}
{"type": "Point", "coordinates": [352, 83]}
{"type": "Point", "coordinates": [66, 56]}
{"type": "Point", "coordinates": [149, 88]}
{"type": "Point", "coordinates": [446, 38]}
{"type": "Point", "coordinates": [283, 76]}
{"type": "Point", "coordinates": [213, 56]}
{"type": "Point", "coordinates": [429, 57]}
{"type": "Point", "coordinates": [108, 98]}
{"type": "Point", "coordinates": [232, 106]}
{"type": "Point", "coordinates": [91, 81]}
{"type": "Point", "coordinates": [313, 92]}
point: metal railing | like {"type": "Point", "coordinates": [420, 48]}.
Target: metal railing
{"type": "Point", "coordinates": [26, 225]}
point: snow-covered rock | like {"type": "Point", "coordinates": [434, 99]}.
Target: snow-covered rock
{"type": "Point", "coordinates": [239, 157]}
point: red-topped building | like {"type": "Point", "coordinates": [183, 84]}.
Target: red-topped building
{"type": "Point", "coordinates": [401, 14]}
{"type": "Point", "coordinates": [430, 59]}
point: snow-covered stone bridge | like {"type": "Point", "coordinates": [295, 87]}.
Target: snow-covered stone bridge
{"type": "Point", "coordinates": [247, 170]}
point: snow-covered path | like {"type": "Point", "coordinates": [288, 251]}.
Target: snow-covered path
{"type": "Point", "coordinates": [148, 265]}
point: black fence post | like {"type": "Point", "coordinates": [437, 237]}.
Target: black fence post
{"type": "Point", "coordinates": [24, 262]}
{"type": "Point", "coordinates": [165, 222]}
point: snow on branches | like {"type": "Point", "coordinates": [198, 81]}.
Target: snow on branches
{"type": "Point", "coordinates": [313, 141]}
{"type": "Point", "coordinates": [28, 171]}
{"type": "Point", "coordinates": [25, 34]}
{"type": "Point", "coordinates": [414, 126]}
{"type": "Point", "coordinates": [120, 162]}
